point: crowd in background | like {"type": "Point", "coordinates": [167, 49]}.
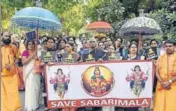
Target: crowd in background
{"type": "Point", "coordinates": [73, 50]}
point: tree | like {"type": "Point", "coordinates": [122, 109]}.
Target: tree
{"type": "Point", "coordinates": [166, 20]}
{"type": "Point", "coordinates": [73, 14]}
{"type": "Point", "coordinates": [91, 9]}
{"type": "Point", "coordinates": [166, 17]}
{"type": "Point", "coordinates": [9, 7]}
{"type": "Point", "coordinates": [113, 13]}
{"type": "Point", "coordinates": [70, 12]}
{"type": "Point", "coordinates": [73, 19]}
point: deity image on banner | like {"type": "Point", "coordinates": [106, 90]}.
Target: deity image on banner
{"type": "Point", "coordinates": [97, 80]}
{"type": "Point", "coordinates": [60, 83]}
{"type": "Point", "coordinates": [137, 80]}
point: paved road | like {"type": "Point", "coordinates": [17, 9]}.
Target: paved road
{"type": "Point", "coordinates": [23, 101]}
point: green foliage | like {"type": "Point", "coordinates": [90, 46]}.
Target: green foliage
{"type": "Point", "coordinates": [73, 19]}
{"type": "Point", "coordinates": [112, 12]}
{"type": "Point", "coordinates": [59, 6]}
{"type": "Point", "coordinates": [91, 9]}
{"type": "Point", "coordinates": [9, 7]}
{"type": "Point", "coordinates": [166, 20]}
{"type": "Point", "coordinates": [74, 13]}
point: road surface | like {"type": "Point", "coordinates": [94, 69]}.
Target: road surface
{"type": "Point", "coordinates": [23, 101]}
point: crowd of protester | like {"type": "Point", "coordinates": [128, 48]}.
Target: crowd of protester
{"type": "Point", "coordinates": [73, 50]}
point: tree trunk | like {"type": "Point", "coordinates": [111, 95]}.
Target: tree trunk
{"type": "Point", "coordinates": [136, 8]}
{"type": "Point", "coordinates": [152, 4]}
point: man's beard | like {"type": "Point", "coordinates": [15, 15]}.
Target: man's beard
{"type": "Point", "coordinates": [6, 41]}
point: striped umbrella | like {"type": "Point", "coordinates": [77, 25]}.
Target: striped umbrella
{"type": "Point", "coordinates": [99, 26]}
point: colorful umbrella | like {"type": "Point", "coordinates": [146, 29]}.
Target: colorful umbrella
{"type": "Point", "coordinates": [99, 26]}
{"type": "Point", "coordinates": [33, 17]}
{"type": "Point", "coordinates": [140, 25]}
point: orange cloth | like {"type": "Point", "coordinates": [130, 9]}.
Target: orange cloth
{"type": "Point", "coordinates": [20, 78]}
{"type": "Point", "coordinates": [20, 69]}
{"type": "Point", "coordinates": [165, 100]}
{"type": "Point", "coordinates": [9, 56]}
{"type": "Point", "coordinates": [10, 99]}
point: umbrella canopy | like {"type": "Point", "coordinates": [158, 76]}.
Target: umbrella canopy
{"type": "Point", "coordinates": [140, 25]}
{"type": "Point", "coordinates": [99, 26]}
{"type": "Point", "coordinates": [33, 17]}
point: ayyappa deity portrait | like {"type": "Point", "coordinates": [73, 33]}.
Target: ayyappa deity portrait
{"type": "Point", "coordinates": [137, 80]}
{"type": "Point", "coordinates": [60, 83]}
{"type": "Point", "coordinates": [97, 80]}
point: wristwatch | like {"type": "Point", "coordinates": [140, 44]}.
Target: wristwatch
{"type": "Point", "coordinates": [170, 81]}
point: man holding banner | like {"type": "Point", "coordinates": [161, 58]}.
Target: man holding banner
{"type": "Point", "coordinates": [166, 74]}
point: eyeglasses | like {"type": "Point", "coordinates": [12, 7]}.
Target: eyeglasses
{"type": "Point", "coordinates": [92, 41]}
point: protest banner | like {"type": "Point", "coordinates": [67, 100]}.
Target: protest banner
{"type": "Point", "coordinates": [122, 84]}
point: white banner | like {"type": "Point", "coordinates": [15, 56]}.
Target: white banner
{"type": "Point", "coordinates": [123, 84]}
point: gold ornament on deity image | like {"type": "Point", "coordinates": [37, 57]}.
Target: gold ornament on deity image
{"type": "Point", "coordinates": [97, 80]}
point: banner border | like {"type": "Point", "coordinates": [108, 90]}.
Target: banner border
{"type": "Point", "coordinates": [85, 63]}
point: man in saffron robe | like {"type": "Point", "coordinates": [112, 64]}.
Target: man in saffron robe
{"type": "Point", "coordinates": [10, 99]}
{"type": "Point", "coordinates": [165, 99]}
